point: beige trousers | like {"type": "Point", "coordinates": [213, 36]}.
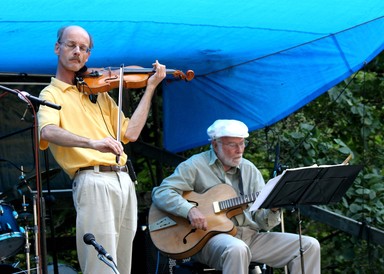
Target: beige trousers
{"type": "Point", "coordinates": [106, 206]}
{"type": "Point", "coordinates": [234, 254]}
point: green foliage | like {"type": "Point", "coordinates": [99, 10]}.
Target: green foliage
{"type": "Point", "coordinates": [347, 120]}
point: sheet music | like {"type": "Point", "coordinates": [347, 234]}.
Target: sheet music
{"type": "Point", "coordinates": [266, 191]}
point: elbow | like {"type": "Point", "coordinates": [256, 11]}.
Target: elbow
{"type": "Point", "coordinates": [132, 137]}
{"type": "Point", "coordinates": [46, 133]}
{"type": "Point", "coordinates": [131, 140]}
{"type": "Point", "coordinates": [43, 133]}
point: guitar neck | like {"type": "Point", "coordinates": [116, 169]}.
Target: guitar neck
{"type": "Point", "coordinates": [219, 206]}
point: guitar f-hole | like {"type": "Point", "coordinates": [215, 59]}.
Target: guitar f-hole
{"type": "Point", "coordinates": [185, 237]}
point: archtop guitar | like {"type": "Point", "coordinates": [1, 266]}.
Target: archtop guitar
{"type": "Point", "coordinates": [175, 237]}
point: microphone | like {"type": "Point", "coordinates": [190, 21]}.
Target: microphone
{"type": "Point", "coordinates": [23, 94]}
{"type": "Point", "coordinates": [89, 239]}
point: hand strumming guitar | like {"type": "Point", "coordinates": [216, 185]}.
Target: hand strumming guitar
{"type": "Point", "coordinates": [197, 219]}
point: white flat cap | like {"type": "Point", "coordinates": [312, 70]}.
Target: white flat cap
{"type": "Point", "coordinates": [227, 128]}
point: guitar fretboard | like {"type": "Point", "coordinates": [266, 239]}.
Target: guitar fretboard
{"type": "Point", "coordinates": [237, 201]}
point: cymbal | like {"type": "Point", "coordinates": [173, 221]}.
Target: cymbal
{"type": "Point", "coordinates": [25, 216]}
{"type": "Point", "coordinates": [10, 194]}
{"type": "Point", "coordinates": [16, 191]}
{"type": "Point", "coordinates": [45, 175]}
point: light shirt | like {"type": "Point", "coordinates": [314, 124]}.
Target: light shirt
{"type": "Point", "coordinates": [81, 117]}
{"type": "Point", "coordinates": [203, 171]}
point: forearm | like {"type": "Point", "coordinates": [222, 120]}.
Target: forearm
{"type": "Point", "coordinates": [62, 137]}
{"type": "Point", "coordinates": [140, 115]}
{"type": "Point", "coordinates": [170, 200]}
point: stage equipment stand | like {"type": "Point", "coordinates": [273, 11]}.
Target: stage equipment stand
{"type": "Point", "coordinates": [50, 201]}
{"type": "Point", "coordinates": [111, 264]}
{"type": "Point", "coordinates": [314, 185]}
{"type": "Point", "coordinates": [278, 168]}
{"type": "Point", "coordinates": [34, 104]}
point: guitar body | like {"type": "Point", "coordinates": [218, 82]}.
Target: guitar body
{"type": "Point", "coordinates": [181, 240]}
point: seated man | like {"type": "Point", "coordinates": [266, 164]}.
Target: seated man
{"type": "Point", "coordinates": [224, 164]}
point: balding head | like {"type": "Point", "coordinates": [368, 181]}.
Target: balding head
{"type": "Point", "coordinates": [62, 31]}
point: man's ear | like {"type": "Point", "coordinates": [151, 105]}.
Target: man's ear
{"type": "Point", "coordinates": [214, 144]}
{"type": "Point", "coordinates": [57, 48]}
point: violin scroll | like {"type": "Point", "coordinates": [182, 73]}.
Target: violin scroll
{"type": "Point", "coordinates": [184, 76]}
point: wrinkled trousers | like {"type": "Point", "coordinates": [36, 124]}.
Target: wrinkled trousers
{"type": "Point", "coordinates": [106, 206]}
{"type": "Point", "coordinates": [234, 254]}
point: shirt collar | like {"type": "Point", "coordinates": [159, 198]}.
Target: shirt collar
{"type": "Point", "coordinates": [60, 84]}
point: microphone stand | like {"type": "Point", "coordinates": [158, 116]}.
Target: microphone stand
{"type": "Point", "coordinates": [277, 170]}
{"type": "Point", "coordinates": [50, 202]}
{"type": "Point", "coordinates": [111, 264]}
{"type": "Point", "coordinates": [41, 250]}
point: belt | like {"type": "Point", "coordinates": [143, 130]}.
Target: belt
{"type": "Point", "coordinates": [105, 168]}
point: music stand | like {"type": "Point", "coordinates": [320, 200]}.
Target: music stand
{"type": "Point", "coordinates": [314, 185]}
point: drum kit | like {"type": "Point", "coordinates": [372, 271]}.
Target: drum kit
{"type": "Point", "coordinates": [15, 228]}
{"type": "Point", "coordinates": [12, 238]}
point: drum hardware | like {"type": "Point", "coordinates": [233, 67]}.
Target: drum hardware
{"type": "Point", "coordinates": [16, 191]}
{"type": "Point", "coordinates": [12, 237]}
{"type": "Point", "coordinates": [23, 187]}
{"type": "Point", "coordinates": [26, 218]}
{"type": "Point", "coordinates": [46, 175]}
{"type": "Point", "coordinates": [9, 269]}
{"type": "Point", "coordinates": [27, 243]}
{"type": "Point", "coordinates": [39, 223]}
{"type": "Point", "coordinates": [36, 231]}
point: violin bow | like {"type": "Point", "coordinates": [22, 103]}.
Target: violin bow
{"type": "Point", "coordinates": [120, 99]}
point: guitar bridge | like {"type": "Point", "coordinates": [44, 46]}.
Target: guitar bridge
{"type": "Point", "coordinates": [162, 223]}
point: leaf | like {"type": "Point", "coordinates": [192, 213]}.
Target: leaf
{"type": "Point", "coordinates": [354, 208]}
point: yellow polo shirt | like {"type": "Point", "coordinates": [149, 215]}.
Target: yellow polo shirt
{"type": "Point", "coordinates": [81, 117]}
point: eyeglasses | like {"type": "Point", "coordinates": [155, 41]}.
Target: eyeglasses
{"type": "Point", "coordinates": [233, 145]}
{"type": "Point", "coordinates": [72, 45]}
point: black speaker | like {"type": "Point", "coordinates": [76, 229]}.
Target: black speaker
{"type": "Point", "coordinates": [146, 258]}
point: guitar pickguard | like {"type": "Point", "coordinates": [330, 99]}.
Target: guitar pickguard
{"type": "Point", "coordinates": [162, 223]}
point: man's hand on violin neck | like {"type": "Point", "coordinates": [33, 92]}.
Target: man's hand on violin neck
{"type": "Point", "coordinates": [159, 75]}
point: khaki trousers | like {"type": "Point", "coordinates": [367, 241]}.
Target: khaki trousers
{"type": "Point", "coordinates": [234, 254]}
{"type": "Point", "coordinates": [106, 206]}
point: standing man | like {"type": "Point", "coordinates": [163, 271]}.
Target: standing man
{"type": "Point", "coordinates": [224, 164]}
{"type": "Point", "coordinates": [82, 138]}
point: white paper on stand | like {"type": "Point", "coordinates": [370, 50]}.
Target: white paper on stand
{"type": "Point", "coordinates": [264, 193]}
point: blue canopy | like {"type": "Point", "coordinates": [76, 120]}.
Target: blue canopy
{"type": "Point", "coordinates": [257, 61]}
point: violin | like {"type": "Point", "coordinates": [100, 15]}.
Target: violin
{"type": "Point", "coordinates": [94, 80]}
